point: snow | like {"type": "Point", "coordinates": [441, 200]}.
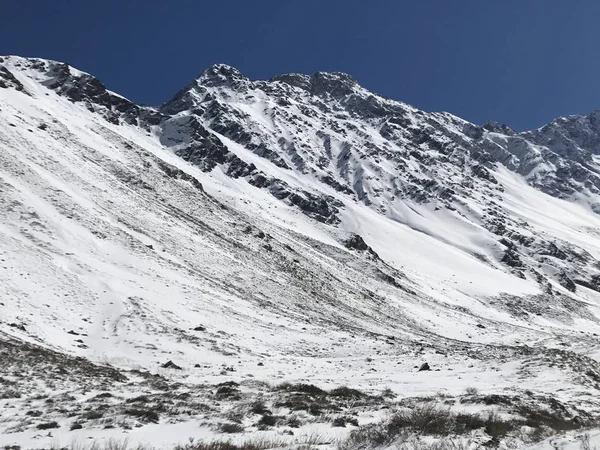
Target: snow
{"type": "Point", "coordinates": [96, 239]}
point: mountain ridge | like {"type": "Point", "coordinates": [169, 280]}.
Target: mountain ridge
{"type": "Point", "coordinates": [191, 118]}
{"type": "Point", "coordinates": [491, 123]}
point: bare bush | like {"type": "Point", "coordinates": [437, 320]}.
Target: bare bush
{"type": "Point", "coordinates": [252, 444]}
{"type": "Point", "coordinates": [426, 418]}
{"type": "Point", "coordinates": [231, 428]}
{"type": "Point", "coordinates": [471, 390]}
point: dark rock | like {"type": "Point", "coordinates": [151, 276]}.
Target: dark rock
{"type": "Point", "coordinates": [171, 365]}
{"type": "Point", "coordinates": [512, 258]}
{"type": "Point", "coordinates": [8, 80]}
{"type": "Point", "coordinates": [228, 391]}
{"type": "Point", "coordinates": [89, 90]}
{"type": "Point", "coordinates": [339, 422]}
{"type": "Point", "coordinates": [18, 326]}
{"type": "Point", "coordinates": [424, 367]}
{"type": "Point", "coordinates": [567, 282]}
{"type": "Point", "coordinates": [498, 128]}
{"type": "Point", "coordinates": [356, 242]}
{"type": "Point", "coordinates": [104, 395]}
{"type": "Point", "coordinates": [593, 283]}
{"type": "Point", "coordinates": [47, 426]}
{"type": "Point", "coordinates": [497, 399]}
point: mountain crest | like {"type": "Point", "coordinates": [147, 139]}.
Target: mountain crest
{"type": "Point", "coordinates": [222, 75]}
{"type": "Point", "coordinates": [334, 84]}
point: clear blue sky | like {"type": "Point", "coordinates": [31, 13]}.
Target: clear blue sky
{"type": "Point", "coordinates": [520, 62]}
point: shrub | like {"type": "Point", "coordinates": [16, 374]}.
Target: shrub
{"type": "Point", "coordinates": [293, 422]}
{"type": "Point", "coordinates": [10, 393]}
{"type": "Point", "coordinates": [498, 428]}
{"type": "Point", "coordinates": [47, 426]}
{"type": "Point", "coordinates": [537, 418]}
{"type": "Point", "coordinates": [228, 391]}
{"type": "Point", "coordinates": [76, 426]}
{"type": "Point", "coordinates": [388, 393]}
{"type": "Point", "coordinates": [228, 445]}
{"type": "Point", "coordinates": [339, 422]}
{"type": "Point", "coordinates": [91, 415]}
{"type": "Point", "coordinates": [259, 407]}
{"type": "Point", "coordinates": [465, 423]}
{"type": "Point", "coordinates": [267, 420]}
{"type": "Point", "coordinates": [372, 435]}
{"type": "Point", "coordinates": [315, 409]}
{"type": "Point", "coordinates": [471, 391]}
{"type": "Point", "coordinates": [346, 392]}
{"type": "Point", "coordinates": [140, 399]}
{"type": "Point", "coordinates": [143, 415]}
{"type": "Point", "coordinates": [231, 428]}
{"type": "Point", "coordinates": [413, 443]}
{"type": "Point", "coordinates": [301, 387]}
{"type": "Point", "coordinates": [427, 418]}
{"type": "Point", "coordinates": [343, 421]}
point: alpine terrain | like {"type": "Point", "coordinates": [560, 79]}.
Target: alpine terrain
{"type": "Point", "coordinates": [291, 263]}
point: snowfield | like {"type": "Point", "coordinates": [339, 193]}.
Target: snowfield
{"type": "Point", "coordinates": [164, 272]}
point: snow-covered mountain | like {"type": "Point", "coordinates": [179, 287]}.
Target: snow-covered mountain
{"type": "Point", "coordinates": [301, 229]}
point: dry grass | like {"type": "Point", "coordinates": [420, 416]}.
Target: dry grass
{"type": "Point", "coordinates": [432, 419]}
{"type": "Point", "coordinates": [250, 444]}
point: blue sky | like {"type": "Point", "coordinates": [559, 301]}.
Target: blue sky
{"type": "Point", "coordinates": [522, 62]}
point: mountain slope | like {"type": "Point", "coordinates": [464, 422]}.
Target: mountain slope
{"type": "Point", "coordinates": [303, 223]}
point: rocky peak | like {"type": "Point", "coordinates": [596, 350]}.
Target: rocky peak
{"type": "Point", "coordinates": [222, 75]}
{"type": "Point", "coordinates": [572, 135]}
{"type": "Point", "coordinates": [219, 76]}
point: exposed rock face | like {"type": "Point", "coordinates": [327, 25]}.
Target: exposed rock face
{"type": "Point", "coordinates": [356, 242]}
{"type": "Point", "coordinates": [8, 80]}
{"type": "Point", "coordinates": [424, 367]}
{"type": "Point", "coordinates": [81, 87]}
{"type": "Point", "coordinates": [356, 146]}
